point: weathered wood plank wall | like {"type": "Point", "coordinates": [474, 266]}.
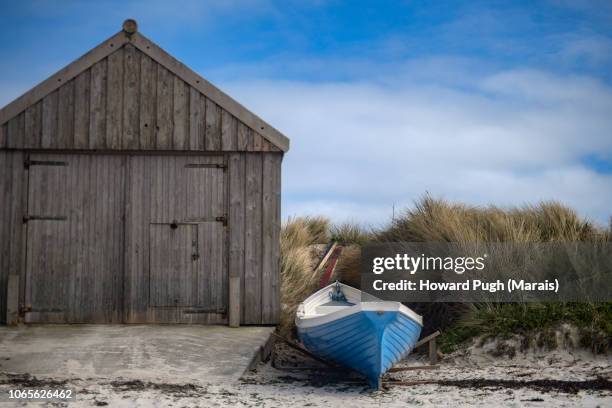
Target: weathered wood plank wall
{"type": "Point", "coordinates": [88, 251]}
{"type": "Point", "coordinates": [254, 217]}
{"type": "Point", "coordinates": [271, 220]}
{"type": "Point", "coordinates": [127, 101]}
{"type": "Point", "coordinates": [11, 227]}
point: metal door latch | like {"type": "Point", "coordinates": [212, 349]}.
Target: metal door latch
{"type": "Point", "coordinates": [24, 309]}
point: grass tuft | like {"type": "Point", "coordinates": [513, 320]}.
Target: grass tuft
{"type": "Point", "coordinates": [594, 320]}
{"type": "Point", "coordinates": [297, 237]}
{"type": "Point", "coordinates": [349, 233]}
{"type": "Point", "coordinates": [437, 220]}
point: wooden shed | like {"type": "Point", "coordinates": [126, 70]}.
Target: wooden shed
{"type": "Point", "coordinates": [135, 191]}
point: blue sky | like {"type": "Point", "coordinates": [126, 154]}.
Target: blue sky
{"type": "Point", "coordinates": [483, 102]}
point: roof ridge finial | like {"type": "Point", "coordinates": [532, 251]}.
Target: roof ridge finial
{"type": "Point", "coordinates": [130, 26]}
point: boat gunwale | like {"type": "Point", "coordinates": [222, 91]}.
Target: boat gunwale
{"type": "Point", "coordinates": [306, 320]}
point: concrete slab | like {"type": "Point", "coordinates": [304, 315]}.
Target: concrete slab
{"type": "Point", "coordinates": [168, 353]}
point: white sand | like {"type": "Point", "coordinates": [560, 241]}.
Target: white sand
{"type": "Point", "coordinates": [271, 387]}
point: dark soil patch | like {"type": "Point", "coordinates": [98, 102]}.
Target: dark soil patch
{"type": "Point", "coordinates": [318, 380]}
{"type": "Point", "coordinates": [29, 381]}
{"type": "Point", "coordinates": [285, 357]}
{"type": "Point", "coordinates": [179, 390]}
{"type": "Point", "coordinates": [568, 387]}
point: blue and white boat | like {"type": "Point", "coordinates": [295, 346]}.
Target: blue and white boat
{"type": "Point", "coordinates": [365, 333]}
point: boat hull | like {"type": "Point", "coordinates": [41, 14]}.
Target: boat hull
{"type": "Point", "coordinates": [368, 341]}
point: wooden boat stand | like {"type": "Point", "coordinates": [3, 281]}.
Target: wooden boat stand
{"type": "Point", "coordinates": [434, 353]}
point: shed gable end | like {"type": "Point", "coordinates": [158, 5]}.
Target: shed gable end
{"type": "Point", "coordinates": [128, 100]}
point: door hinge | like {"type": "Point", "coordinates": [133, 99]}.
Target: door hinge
{"type": "Point", "coordinates": [219, 310]}
{"type": "Point", "coordinates": [27, 218]}
{"type": "Point", "coordinates": [222, 219]}
{"type": "Point", "coordinates": [205, 166]}
{"type": "Point", "coordinates": [27, 163]}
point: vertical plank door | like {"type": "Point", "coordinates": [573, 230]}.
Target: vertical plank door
{"type": "Point", "coordinates": [74, 238]}
{"type": "Point", "coordinates": [187, 238]}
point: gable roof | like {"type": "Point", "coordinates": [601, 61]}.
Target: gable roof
{"type": "Point", "coordinates": [130, 36]}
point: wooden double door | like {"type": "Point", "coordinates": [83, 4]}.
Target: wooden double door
{"type": "Point", "coordinates": [125, 238]}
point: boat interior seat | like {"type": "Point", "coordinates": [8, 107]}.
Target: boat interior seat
{"type": "Point", "coordinates": [331, 307]}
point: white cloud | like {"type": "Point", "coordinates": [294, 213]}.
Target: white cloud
{"type": "Point", "coordinates": [511, 138]}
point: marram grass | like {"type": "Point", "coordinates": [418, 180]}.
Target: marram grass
{"type": "Point", "coordinates": [437, 220]}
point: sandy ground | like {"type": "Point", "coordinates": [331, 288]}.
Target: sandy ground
{"type": "Point", "coordinates": [475, 376]}
{"type": "Point", "coordinates": [152, 353]}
